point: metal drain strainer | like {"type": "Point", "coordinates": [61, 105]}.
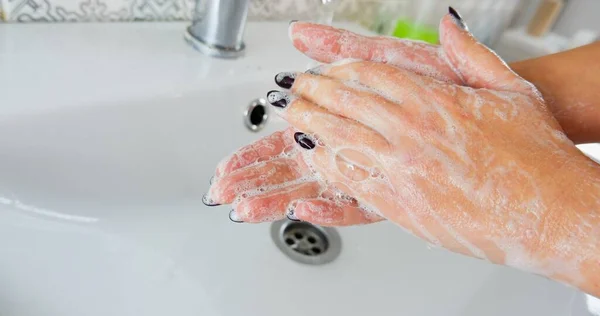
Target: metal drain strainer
{"type": "Point", "coordinates": [306, 243]}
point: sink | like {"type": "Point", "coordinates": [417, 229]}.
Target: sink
{"type": "Point", "coordinates": [109, 134]}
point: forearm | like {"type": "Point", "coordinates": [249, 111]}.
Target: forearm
{"type": "Point", "coordinates": [570, 84]}
{"type": "Point", "coordinates": [587, 217]}
{"type": "Point", "coordinates": [570, 246]}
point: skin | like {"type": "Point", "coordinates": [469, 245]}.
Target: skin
{"type": "Point", "coordinates": [446, 152]}
{"type": "Point", "coordinates": [575, 106]}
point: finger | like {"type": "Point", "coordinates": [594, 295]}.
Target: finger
{"type": "Point", "coordinates": [329, 213]}
{"type": "Point", "coordinates": [260, 176]}
{"type": "Point", "coordinates": [328, 44]}
{"type": "Point", "coordinates": [398, 85]}
{"type": "Point", "coordinates": [478, 66]}
{"type": "Point", "coordinates": [335, 130]}
{"type": "Point", "coordinates": [266, 148]}
{"type": "Point", "coordinates": [421, 105]}
{"type": "Point", "coordinates": [403, 106]}
{"type": "Point", "coordinates": [349, 100]}
{"type": "Point", "coordinates": [272, 205]}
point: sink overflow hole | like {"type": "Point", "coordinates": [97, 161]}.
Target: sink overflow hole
{"type": "Point", "coordinates": [256, 115]}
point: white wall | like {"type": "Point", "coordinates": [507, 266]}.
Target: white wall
{"type": "Point", "coordinates": [579, 14]}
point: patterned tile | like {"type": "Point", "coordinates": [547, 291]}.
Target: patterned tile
{"type": "Point", "coordinates": [95, 10]}
{"type": "Point", "coordinates": [150, 10]}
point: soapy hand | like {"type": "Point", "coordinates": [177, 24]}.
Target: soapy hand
{"type": "Point", "coordinates": [237, 175]}
{"type": "Point", "coordinates": [269, 177]}
{"type": "Point", "coordinates": [239, 178]}
{"type": "Point", "coordinates": [479, 170]}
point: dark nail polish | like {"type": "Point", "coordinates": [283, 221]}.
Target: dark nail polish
{"type": "Point", "coordinates": [458, 20]}
{"type": "Point", "coordinates": [285, 79]}
{"type": "Point", "coordinates": [291, 216]}
{"type": "Point", "coordinates": [293, 21]}
{"type": "Point", "coordinates": [304, 140]}
{"type": "Point", "coordinates": [233, 217]}
{"type": "Point", "coordinates": [208, 202]}
{"type": "Point", "coordinates": [278, 99]}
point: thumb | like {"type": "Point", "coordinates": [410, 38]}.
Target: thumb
{"type": "Point", "coordinates": [478, 66]}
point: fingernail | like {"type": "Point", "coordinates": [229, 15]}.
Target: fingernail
{"type": "Point", "coordinates": [293, 21]}
{"type": "Point", "coordinates": [304, 140]}
{"type": "Point", "coordinates": [233, 216]}
{"type": "Point", "coordinates": [285, 79]}
{"type": "Point", "coordinates": [458, 20]}
{"type": "Point", "coordinates": [206, 200]}
{"type": "Point", "coordinates": [278, 99]}
{"type": "Point", "coordinates": [211, 180]}
{"type": "Point", "coordinates": [292, 216]}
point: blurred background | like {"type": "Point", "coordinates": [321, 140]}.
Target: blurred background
{"type": "Point", "coordinates": [517, 29]}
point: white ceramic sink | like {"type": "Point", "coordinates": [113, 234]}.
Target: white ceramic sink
{"type": "Point", "coordinates": [109, 134]}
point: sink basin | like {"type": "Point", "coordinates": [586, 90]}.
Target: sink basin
{"type": "Point", "coordinates": [109, 136]}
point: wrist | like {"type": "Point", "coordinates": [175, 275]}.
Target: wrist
{"type": "Point", "coordinates": [570, 245]}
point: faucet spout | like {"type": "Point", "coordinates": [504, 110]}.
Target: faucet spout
{"type": "Point", "coordinates": [218, 27]}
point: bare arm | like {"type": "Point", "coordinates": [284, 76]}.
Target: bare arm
{"type": "Point", "coordinates": [570, 84]}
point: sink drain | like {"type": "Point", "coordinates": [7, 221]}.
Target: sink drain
{"type": "Point", "coordinates": [306, 243]}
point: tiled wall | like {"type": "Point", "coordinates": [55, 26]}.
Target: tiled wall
{"type": "Point", "coordinates": [142, 10]}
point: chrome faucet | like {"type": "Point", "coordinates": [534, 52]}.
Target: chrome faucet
{"type": "Point", "coordinates": [218, 27]}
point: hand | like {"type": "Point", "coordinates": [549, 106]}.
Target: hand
{"type": "Point", "coordinates": [235, 173]}
{"type": "Point", "coordinates": [567, 80]}
{"type": "Point", "coordinates": [481, 171]}
{"type": "Point", "coordinates": [266, 178]}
